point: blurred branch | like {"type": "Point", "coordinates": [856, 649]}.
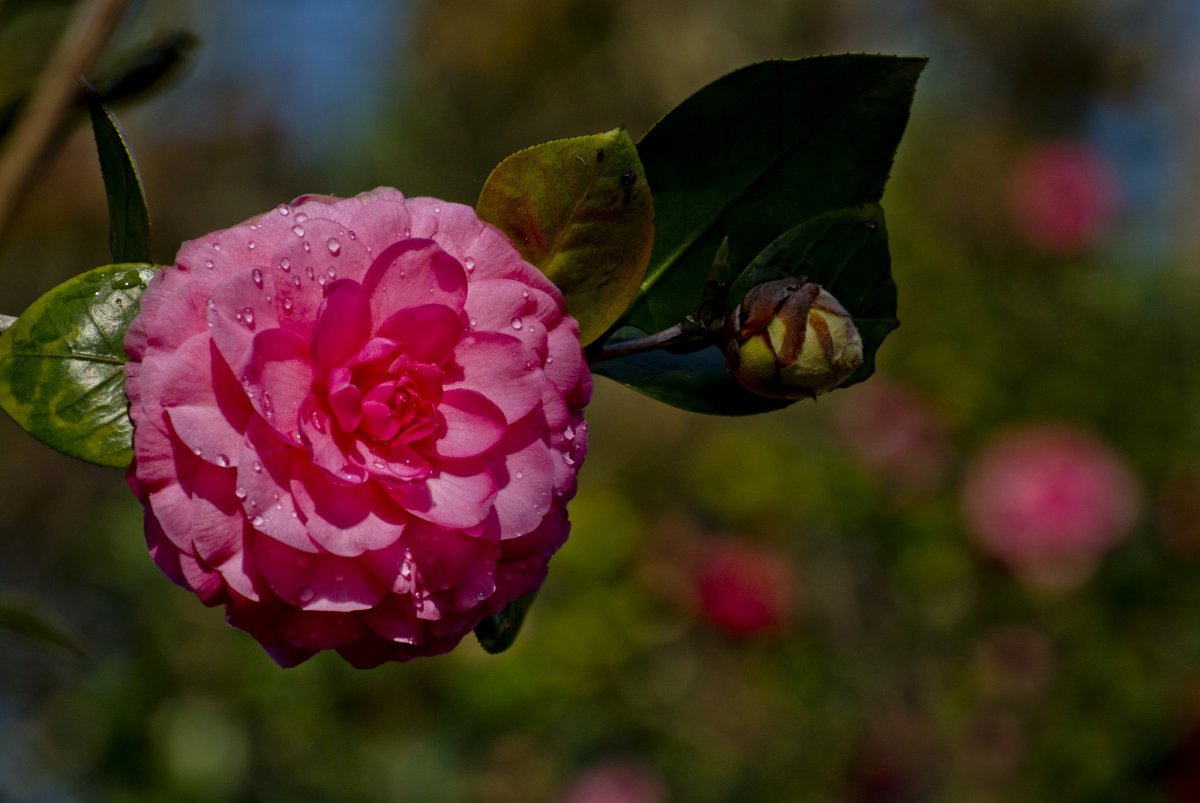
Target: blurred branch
{"type": "Point", "coordinates": [87, 32]}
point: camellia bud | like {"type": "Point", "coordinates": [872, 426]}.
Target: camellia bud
{"type": "Point", "coordinates": [789, 339]}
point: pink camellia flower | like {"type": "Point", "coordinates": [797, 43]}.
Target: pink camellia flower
{"type": "Point", "coordinates": [1049, 500]}
{"type": "Point", "coordinates": [744, 589]}
{"type": "Point", "coordinates": [357, 424]}
{"type": "Point", "coordinates": [1063, 197]}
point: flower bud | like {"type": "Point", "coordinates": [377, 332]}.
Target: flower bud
{"type": "Point", "coordinates": [789, 339]}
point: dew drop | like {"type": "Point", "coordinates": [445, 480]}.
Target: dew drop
{"type": "Point", "coordinates": [437, 210]}
{"type": "Point", "coordinates": [321, 280]}
{"type": "Point", "coordinates": [287, 305]}
{"type": "Point", "coordinates": [208, 263]}
{"type": "Point", "coordinates": [307, 247]}
{"type": "Point", "coordinates": [257, 467]}
{"type": "Point", "coordinates": [524, 294]}
{"type": "Point", "coordinates": [223, 461]}
{"type": "Point", "coordinates": [256, 275]}
{"type": "Point", "coordinates": [240, 492]}
{"type": "Point", "coordinates": [474, 323]}
{"type": "Point", "coordinates": [298, 230]}
{"type": "Point", "coordinates": [516, 323]}
{"type": "Point", "coordinates": [407, 232]}
{"type": "Point", "coordinates": [296, 281]}
{"type": "Point", "coordinates": [334, 246]}
{"type": "Point", "coordinates": [339, 578]}
{"type": "Point", "coordinates": [258, 521]}
{"type": "Point", "coordinates": [248, 317]}
{"type": "Point", "coordinates": [251, 245]}
{"type": "Point", "coordinates": [309, 272]}
{"type": "Point", "coordinates": [301, 217]}
{"type": "Point", "coordinates": [285, 264]}
{"type": "Point", "coordinates": [306, 594]}
{"type": "Point", "coordinates": [520, 475]}
{"type": "Point", "coordinates": [469, 264]}
{"type": "Point", "coordinates": [570, 461]}
{"type": "Point", "coordinates": [216, 246]}
{"type": "Point", "coordinates": [198, 451]}
{"type": "Point", "coordinates": [353, 236]}
{"type": "Point", "coordinates": [283, 209]}
{"type": "Point", "coordinates": [568, 433]}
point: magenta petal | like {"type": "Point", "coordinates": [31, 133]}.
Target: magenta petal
{"type": "Point", "coordinates": [346, 519]}
{"type": "Point", "coordinates": [413, 273]}
{"type": "Point", "coordinates": [472, 424]}
{"type": "Point", "coordinates": [396, 620]}
{"type": "Point", "coordinates": [501, 368]}
{"type": "Point", "coordinates": [264, 489]}
{"type": "Point", "coordinates": [320, 629]}
{"type": "Point", "coordinates": [425, 334]}
{"type": "Point", "coordinates": [526, 477]}
{"type": "Point", "coordinates": [281, 376]}
{"type": "Point", "coordinates": [494, 303]}
{"type": "Point", "coordinates": [343, 325]}
{"type": "Point", "coordinates": [564, 358]}
{"type": "Point", "coordinates": [316, 582]}
{"type": "Point", "coordinates": [345, 400]}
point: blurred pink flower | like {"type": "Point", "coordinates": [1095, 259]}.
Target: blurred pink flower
{"type": "Point", "coordinates": [1063, 197]}
{"type": "Point", "coordinates": [744, 589]}
{"type": "Point", "coordinates": [357, 424]}
{"type": "Point", "coordinates": [896, 433]}
{"type": "Point", "coordinates": [617, 782]}
{"type": "Point", "coordinates": [1049, 500]}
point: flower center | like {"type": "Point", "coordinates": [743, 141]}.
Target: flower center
{"type": "Point", "coordinates": [387, 400]}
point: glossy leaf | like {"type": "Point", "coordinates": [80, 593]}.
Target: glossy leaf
{"type": "Point", "coordinates": [19, 616]}
{"type": "Point", "coordinates": [758, 151]}
{"type": "Point", "coordinates": [497, 633]}
{"type": "Point", "coordinates": [128, 217]}
{"type": "Point", "coordinates": [580, 210]}
{"type": "Point", "coordinates": [61, 364]}
{"type": "Point", "coordinates": [845, 251]}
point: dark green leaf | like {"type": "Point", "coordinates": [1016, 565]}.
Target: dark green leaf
{"type": "Point", "coordinates": [697, 382]}
{"type": "Point", "coordinates": [128, 217]}
{"type": "Point", "coordinates": [19, 616]}
{"type": "Point", "coordinates": [497, 633]}
{"type": "Point", "coordinates": [756, 152]}
{"type": "Point", "coordinates": [61, 364]}
{"type": "Point", "coordinates": [845, 251]}
{"type": "Point", "coordinates": [579, 209]}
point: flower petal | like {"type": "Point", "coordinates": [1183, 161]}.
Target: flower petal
{"type": "Point", "coordinates": [501, 368]}
{"type": "Point", "coordinates": [412, 273]}
{"type": "Point", "coordinates": [316, 582]}
{"type": "Point", "coordinates": [471, 424]}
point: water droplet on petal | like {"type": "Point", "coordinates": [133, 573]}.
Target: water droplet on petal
{"type": "Point", "coordinates": [309, 272]}
{"type": "Point", "coordinates": [223, 461]}
{"type": "Point", "coordinates": [256, 275]}
{"type": "Point", "coordinates": [240, 492]}
{"type": "Point", "coordinates": [285, 264]}
{"type": "Point", "coordinates": [469, 264]}
{"type": "Point", "coordinates": [568, 433]}
{"type": "Point", "coordinates": [334, 246]}
{"type": "Point", "coordinates": [283, 209]}
{"type": "Point", "coordinates": [216, 246]}
{"type": "Point", "coordinates": [208, 263]}
{"type": "Point", "coordinates": [520, 475]}
{"type": "Point", "coordinates": [570, 461]}
{"type": "Point", "coordinates": [524, 294]}
{"type": "Point", "coordinates": [251, 245]}
{"type": "Point", "coordinates": [353, 236]}
{"type": "Point", "coordinates": [407, 232]}
{"type": "Point", "coordinates": [287, 305]}
{"type": "Point", "coordinates": [306, 594]}
{"type": "Point", "coordinates": [257, 466]}
{"type": "Point", "coordinates": [198, 452]}
{"type": "Point", "coordinates": [298, 230]}
{"type": "Point", "coordinates": [307, 247]}
{"type": "Point", "coordinates": [258, 521]}
{"type": "Point", "coordinates": [248, 317]}
{"type": "Point", "coordinates": [437, 210]}
{"type": "Point", "coordinates": [473, 323]}
{"type": "Point", "coordinates": [301, 217]}
{"type": "Point", "coordinates": [516, 323]}
{"type": "Point", "coordinates": [296, 281]}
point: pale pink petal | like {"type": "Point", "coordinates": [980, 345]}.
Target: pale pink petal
{"type": "Point", "coordinates": [564, 357]}
{"type": "Point", "coordinates": [495, 303]}
{"type": "Point", "coordinates": [346, 519]}
{"type": "Point", "coordinates": [280, 377]}
{"type": "Point", "coordinates": [264, 489]}
{"type": "Point", "coordinates": [237, 309]}
{"type": "Point", "coordinates": [457, 494]}
{"type": "Point", "coordinates": [205, 404]}
{"type": "Point", "coordinates": [524, 470]}
{"type": "Point", "coordinates": [377, 218]}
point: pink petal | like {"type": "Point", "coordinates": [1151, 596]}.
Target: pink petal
{"type": "Point", "coordinates": [281, 377]}
{"type": "Point", "coordinates": [501, 368]}
{"type": "Point", "coordinates": [395, 619]}
{"type": "Point", "coordinates": [564, 357]}
{"type": "Point", "coordinates": [343, 325]}
{"type": "Point", "coordinates": [495, 303]}
{"type": "Point", "coordinates": [378, 218]}
{"type": "Point", "coordinates": [316, 582]}
{"type": "Point", "coordinates": [264, 489]}
{"type": "Point", "coordinates": [319, 630]}
{"type": "Point", "coordinates": [472, 424]}
{"type": "Point", "coordinates": [346, 519]}
{"type": "Point", "coordinates": [413, 273]}
{"type": "Point", "coordinates": [425, 334]}
{"type": "Point", "coordinates": [525, 474]}
{"type": "Point", "coordinates": [457, 495]}
{"type": "Point", "coordinates": [237, 309]}
{"type": "Point", "coordinates": [206, 406]}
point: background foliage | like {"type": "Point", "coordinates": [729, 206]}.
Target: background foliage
{"type": "Point", "coordinates": [907, 666]}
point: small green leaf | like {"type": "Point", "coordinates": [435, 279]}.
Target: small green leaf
{"type": "Point", "coordinates": [61, 364]}
{"type": "Point", "coordinates": [754, 153]}
{"type": "Point", "coordinates": [845, 251]}
{"type": "Point", "coordinates": [20, 616]}
{"type": "Point", "coordinates": [497, 633]}
{"type": "Point", "coordinates": [128, 217]}
{"type": "Point", "coordinates": [580, 210]}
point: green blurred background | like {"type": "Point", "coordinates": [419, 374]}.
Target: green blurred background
{"type": "Point", "coordinates": [1043, 220]}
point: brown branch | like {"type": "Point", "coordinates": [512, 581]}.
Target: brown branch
{"type": "Point", "coordinates": [88, 31]}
